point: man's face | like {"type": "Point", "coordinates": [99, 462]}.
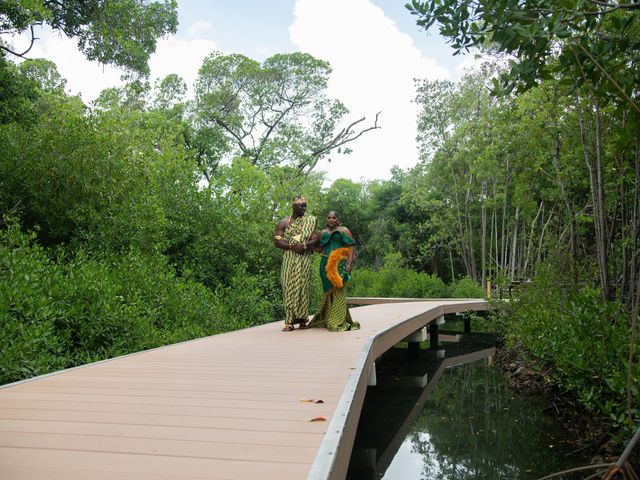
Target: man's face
{"type": "Point", "coordinates": [299, 209]}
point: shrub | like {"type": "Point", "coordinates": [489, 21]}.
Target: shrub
{"type": "Point", "coordinates": [466, 288]}
{"type": "Point", "coordinates": [58, 314]}
{"type": "Point", "coordinates": [29, 282]}
{"type": "Point", "coordinates": [246, 302]}
{"type": "Point", "coordinates": [396, 282]}
{"type": "Point", "coordinates": [363, 283]}
{"type": "Point", "coordinates": [583, 338]}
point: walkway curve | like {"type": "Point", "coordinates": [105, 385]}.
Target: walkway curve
{"type": "Point", "coordinates": [255, 403]}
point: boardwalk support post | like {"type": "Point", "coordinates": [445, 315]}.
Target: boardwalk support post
{"type": "Point", "coordinates": [373, 380]}
{"type": "Point", "coordinates": [433, 332]}
{"type": "Point", "coordinates": [414, 341]}
{"type": "Point", "coordinates": [467, 321]}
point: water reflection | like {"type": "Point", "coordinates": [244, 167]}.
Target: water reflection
{"type": "Point", "coordinates": [463, 424]}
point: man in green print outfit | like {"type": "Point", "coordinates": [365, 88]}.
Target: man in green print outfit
{"type": "Point", "coordinates": [297, 236]}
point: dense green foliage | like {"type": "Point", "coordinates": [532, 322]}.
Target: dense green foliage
{"type": "Point", "coordinates": [61, 312]}
{"type": "Point", "coordinates": [394, 280]}
{"type": "Point", "coordinates": [577, 41]}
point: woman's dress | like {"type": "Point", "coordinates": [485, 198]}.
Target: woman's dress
{"type": "Point", "coordinates": [333, 313]}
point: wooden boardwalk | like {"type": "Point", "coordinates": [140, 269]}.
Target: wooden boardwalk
{"type": "Point", "coordinates": [242, 405]}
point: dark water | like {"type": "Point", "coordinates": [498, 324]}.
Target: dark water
{"type": "Point", "coordinates": [455, 422]}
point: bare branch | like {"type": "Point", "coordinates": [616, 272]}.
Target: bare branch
{"type": "Point", "coordinates": [345, 136]}
{"type": "Point", "coordinates": [21, 55]}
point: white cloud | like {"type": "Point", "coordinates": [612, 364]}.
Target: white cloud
{"type": "Point", "coordinates": [183, 57]}
{"type": "Point", "coordinates": [83, 77]}
{"type": "Point", "coordinates": [199, 27]}
{"type": "Point", "coordinates": [374, 65]}
{"type": "Point", "coordinates": [89, 78]}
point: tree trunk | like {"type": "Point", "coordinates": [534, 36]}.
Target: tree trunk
{"type": "Point", "coordinates": [504, 262]}
{"type": "Point", "coordinates": [453, 272]}
{"type": "Point", "coordinates": [594, 164]}
{"type": "Point", "coordinates": [625, 229]}
{"type": "Point", "coordinates": [461, 239]}
{"type": "Point", "coordinates": [495, 230]}
{"type": "Point", "coordinates": [604, 237]}
{"type": "Point", "coordinates": [635, 284]}
{"type": "Point", "coordinates": [634, 229]}
{"type": "Point", "coordinates": [530, 242]}
{"type": "Point", "coordinates": [483, 239]}
{"type": "Point", "coordinates": [541, 241]}
{"type": "Point", "coordinates": [503, 233]}
{"type": "Point", "coordinates": [630, 359]}
{"type": "Point", "coordinates": [467, 211]}
{"type": "Point", "coordinates": [569, 207]}
{"type": "Point", "coordinates": [513, 246]}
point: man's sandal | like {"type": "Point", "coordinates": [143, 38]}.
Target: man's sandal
{"type": "Point", "coordinates": [288, 328]}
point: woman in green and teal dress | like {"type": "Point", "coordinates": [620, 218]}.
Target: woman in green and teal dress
{"type": "Point", "coordinates": [336, 245]}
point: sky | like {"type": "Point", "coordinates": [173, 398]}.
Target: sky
{"type": "Point", "coordinates": [374, 47]}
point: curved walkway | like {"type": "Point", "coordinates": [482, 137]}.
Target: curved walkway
{"type": "Point", "coordinates": [255, 403]}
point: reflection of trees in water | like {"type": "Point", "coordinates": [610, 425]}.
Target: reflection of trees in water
{"type": "Point", "coordinates": [472, 427]}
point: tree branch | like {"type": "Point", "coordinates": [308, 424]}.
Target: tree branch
{"type": "Point", "coordinates": [611, 79]}
{"type": "Point", "coordinates": [21, 55]}
{"type": "Point", "coordinates": [345, 136]}
{"type": "Point", "coordinates": [231, 132]}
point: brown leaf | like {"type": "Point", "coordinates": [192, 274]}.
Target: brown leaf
{"type": "Point", "coordinates": [319, 401]}
{"type": "Point", "coordinates": [318, 419]}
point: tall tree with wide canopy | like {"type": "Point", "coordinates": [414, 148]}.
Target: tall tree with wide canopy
{"type": "Point", "coordinates": [274, 113]}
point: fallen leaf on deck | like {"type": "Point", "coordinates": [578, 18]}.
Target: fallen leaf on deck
{"type": "Point", "coordinates": [306, 400]}
{"type": "Point", "coordinates": [318, 419]}
{"type": "Point", "coordinates": [319, 401]}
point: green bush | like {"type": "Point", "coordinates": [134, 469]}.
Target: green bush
{"type": "Point", "coordinates": [29, 285]}
{"type": "Point", "coordinates": [363, 283]}
{"type": "Point", "coordinates": [249, 300]}
{"type": "Point", "coordinates": [396, 282]}
{"type": "Point", "coordinates": [465, 288]}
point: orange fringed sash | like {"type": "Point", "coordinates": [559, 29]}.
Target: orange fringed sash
{"type": "Point", "coordinates": [333, 261]}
